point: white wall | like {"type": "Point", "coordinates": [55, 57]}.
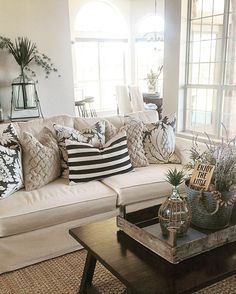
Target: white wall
{"type": "Point", "coordinates": [174, 58]}
{"type": "Point", "coordinates": [45, 22]}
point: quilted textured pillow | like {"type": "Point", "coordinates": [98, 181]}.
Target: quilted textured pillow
{"type": "Point", "coordinates": [41, 160]}
{"type": "Point", "coordinates": [94, 135]}
{"type": "Point", "coordinates": [87, 163]}
{"type": "Point", "coordinates": [159, 141]}
{"type": "Point", "coordinates": [134, 133]}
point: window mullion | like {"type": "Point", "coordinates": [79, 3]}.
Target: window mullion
{"type": "Point", "coordinates": [99, 76]}
{"type": "Point", "coordinates": [222, 68]}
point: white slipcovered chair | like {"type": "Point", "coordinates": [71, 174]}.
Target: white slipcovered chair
{"type": "Point", "coordinates": [123, 100]}
{"type": "Point", "coordinates": [136, 98]}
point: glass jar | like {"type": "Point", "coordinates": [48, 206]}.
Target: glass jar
{"type": "Point", "coordinates": [174, 214]}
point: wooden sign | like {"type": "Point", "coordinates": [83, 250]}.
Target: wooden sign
{"type": "Point", "coordinates": [201, 176]}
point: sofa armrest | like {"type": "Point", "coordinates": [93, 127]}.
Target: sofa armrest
{"type": "Point", "coordinates": [183, 146]}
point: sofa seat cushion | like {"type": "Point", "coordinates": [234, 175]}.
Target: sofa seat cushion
{"type": "Point", "coordinates": [53, 204]}
{"type": "Point", "coordinates": [145, 183]}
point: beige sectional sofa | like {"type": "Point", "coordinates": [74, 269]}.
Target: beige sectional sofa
{"type": "Point", "coordinates": [34, 225]}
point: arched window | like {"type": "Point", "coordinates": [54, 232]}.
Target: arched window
{"type": "Point", "coordinates": [99, 53]}
{"type": "Point", "coordinates": [100, 19]}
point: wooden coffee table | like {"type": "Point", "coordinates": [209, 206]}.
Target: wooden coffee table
{"type": "Point", "coordinates": [142, 271]}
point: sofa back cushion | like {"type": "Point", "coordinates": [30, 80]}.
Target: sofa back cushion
{"type": "Point", "coordinates": [35, 126]}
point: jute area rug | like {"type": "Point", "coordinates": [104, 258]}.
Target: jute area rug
{"type": "Point", "coordinates": [62, 275]}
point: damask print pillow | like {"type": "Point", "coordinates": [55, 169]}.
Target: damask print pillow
{"type": "Point", "coordinates": [94, 135]}
{"type": "Point", "coordinates": [11, 175]}
{"type": "Point", "coordinates": [8, 137]}
{"type": "Point", "coordinates": [159, 141]}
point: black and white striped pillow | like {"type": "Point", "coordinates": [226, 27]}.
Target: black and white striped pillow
{"type": "Point", "coordinates": [87, 163]}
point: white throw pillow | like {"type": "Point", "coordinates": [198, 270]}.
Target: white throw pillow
{"type": "Point", "coordinates": [159, 141]}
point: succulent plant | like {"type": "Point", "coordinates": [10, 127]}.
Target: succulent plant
{"type": "Point", "coordinates": [175, 177]}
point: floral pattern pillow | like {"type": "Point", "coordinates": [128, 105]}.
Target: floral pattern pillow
{"type": "Point", "coordinates": [94, 135]}
{"type": "Point", "coordinates": [8, 137]}
{"type": "Point", "coordinates": [159, 141]}
{"type": "Point", "coordinates": [11, 175]}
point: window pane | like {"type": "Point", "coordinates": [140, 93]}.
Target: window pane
{"type": "Point", "coordinates": [229, 111]}
{"type": "Point", "coordinates": [112, 60]}
{"type": "Point", "coordinates": [194, 52]}
{"type": "Point", "coordinates": [196, 30]}
{"type": "Point", "coordinates": [207, 7]}
{"type": "Point", "coordinates": [206, 51]}
{"type": "Point", "coordinates": [218, 6]}
{"type": "Point", "coordinates": [231, 50]}
{"type": "Point", "coordinates": [232, 5]}
{"type": "Point", "coordinates": [193, 73]}
{"type": "Point", "coordinates": [230, 78]}
{"type": "Point", "coordinates": [201, 110]}
{"type": "Point", "coordinates": [149, 56]}
{"type": "Point", "coordinates": [232, 26]}
{"type": "Point", "coordinates": [86, 58]}
{"type": "Point", "coordinates": [90, 88]}
{"type": "Point", "coordinates": [196, 9]}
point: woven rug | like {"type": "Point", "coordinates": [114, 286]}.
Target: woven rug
{"type": "Point", "coordinates": [62, 275]}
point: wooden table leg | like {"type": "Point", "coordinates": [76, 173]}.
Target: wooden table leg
{"type": "Point", "coordinates": [87, 277]}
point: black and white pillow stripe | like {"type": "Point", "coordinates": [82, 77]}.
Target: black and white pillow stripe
{"type": "Point", "coordinates": [87, 162]}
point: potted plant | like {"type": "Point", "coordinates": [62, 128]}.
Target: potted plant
{"type": "Point", "coordinates": [212, 209]}
{"type": "Point", "coordinates": [152, 78]}
{"type": "Point", "coordinates": [25, 53]}
{"type": "Point", "coordinates": [174, 213]}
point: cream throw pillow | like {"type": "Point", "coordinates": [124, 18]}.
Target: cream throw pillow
{"type": "Point", "coordinates": [41, 160]}
{"type": "Point", "coordinates": [159, 141]}
{"type": "Point", "coordinates": [134, 132]}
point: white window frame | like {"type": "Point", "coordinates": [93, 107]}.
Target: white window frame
{"type": "Point", "coordinates": [221, 86]}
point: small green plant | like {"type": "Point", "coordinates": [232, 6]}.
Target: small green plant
{"type": "Point", "coordinates": [175, 177]}
{"type": "Point", "coordinates": [25, 52]}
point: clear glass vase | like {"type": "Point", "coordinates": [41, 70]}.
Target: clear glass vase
{"type": "Point", "coordinates": [174, 214]}
{"type": "Point", "coordinates": [24, 95]}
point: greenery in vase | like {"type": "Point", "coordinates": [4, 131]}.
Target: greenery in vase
{"type": "Point", "coordinates": [25, 53]}
{"type": "Point", "coordinates": [175, 177]}
{"type": "Point", "coordinates": [152, 77]}
{"type": "Point", "coordinates": [222, 155]}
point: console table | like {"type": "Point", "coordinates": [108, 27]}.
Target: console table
{"type": "Point", "coordinates": [155, 99]}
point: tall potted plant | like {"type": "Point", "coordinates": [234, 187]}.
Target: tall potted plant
{"type": "Point", "coordinates": [25, 53]}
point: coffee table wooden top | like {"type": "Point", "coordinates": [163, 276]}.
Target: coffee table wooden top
{"type": "Point", "coordinates": [142, 271]}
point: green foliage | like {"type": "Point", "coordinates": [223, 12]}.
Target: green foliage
{"type": "Point", "coordinates": [175, 177]}
{"type": "Point", "coordinates": [25, 53]}
{"type": "Point", "coordinates": [222, 155]}
{"type": "Point", "coordinates": [152, 76]}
